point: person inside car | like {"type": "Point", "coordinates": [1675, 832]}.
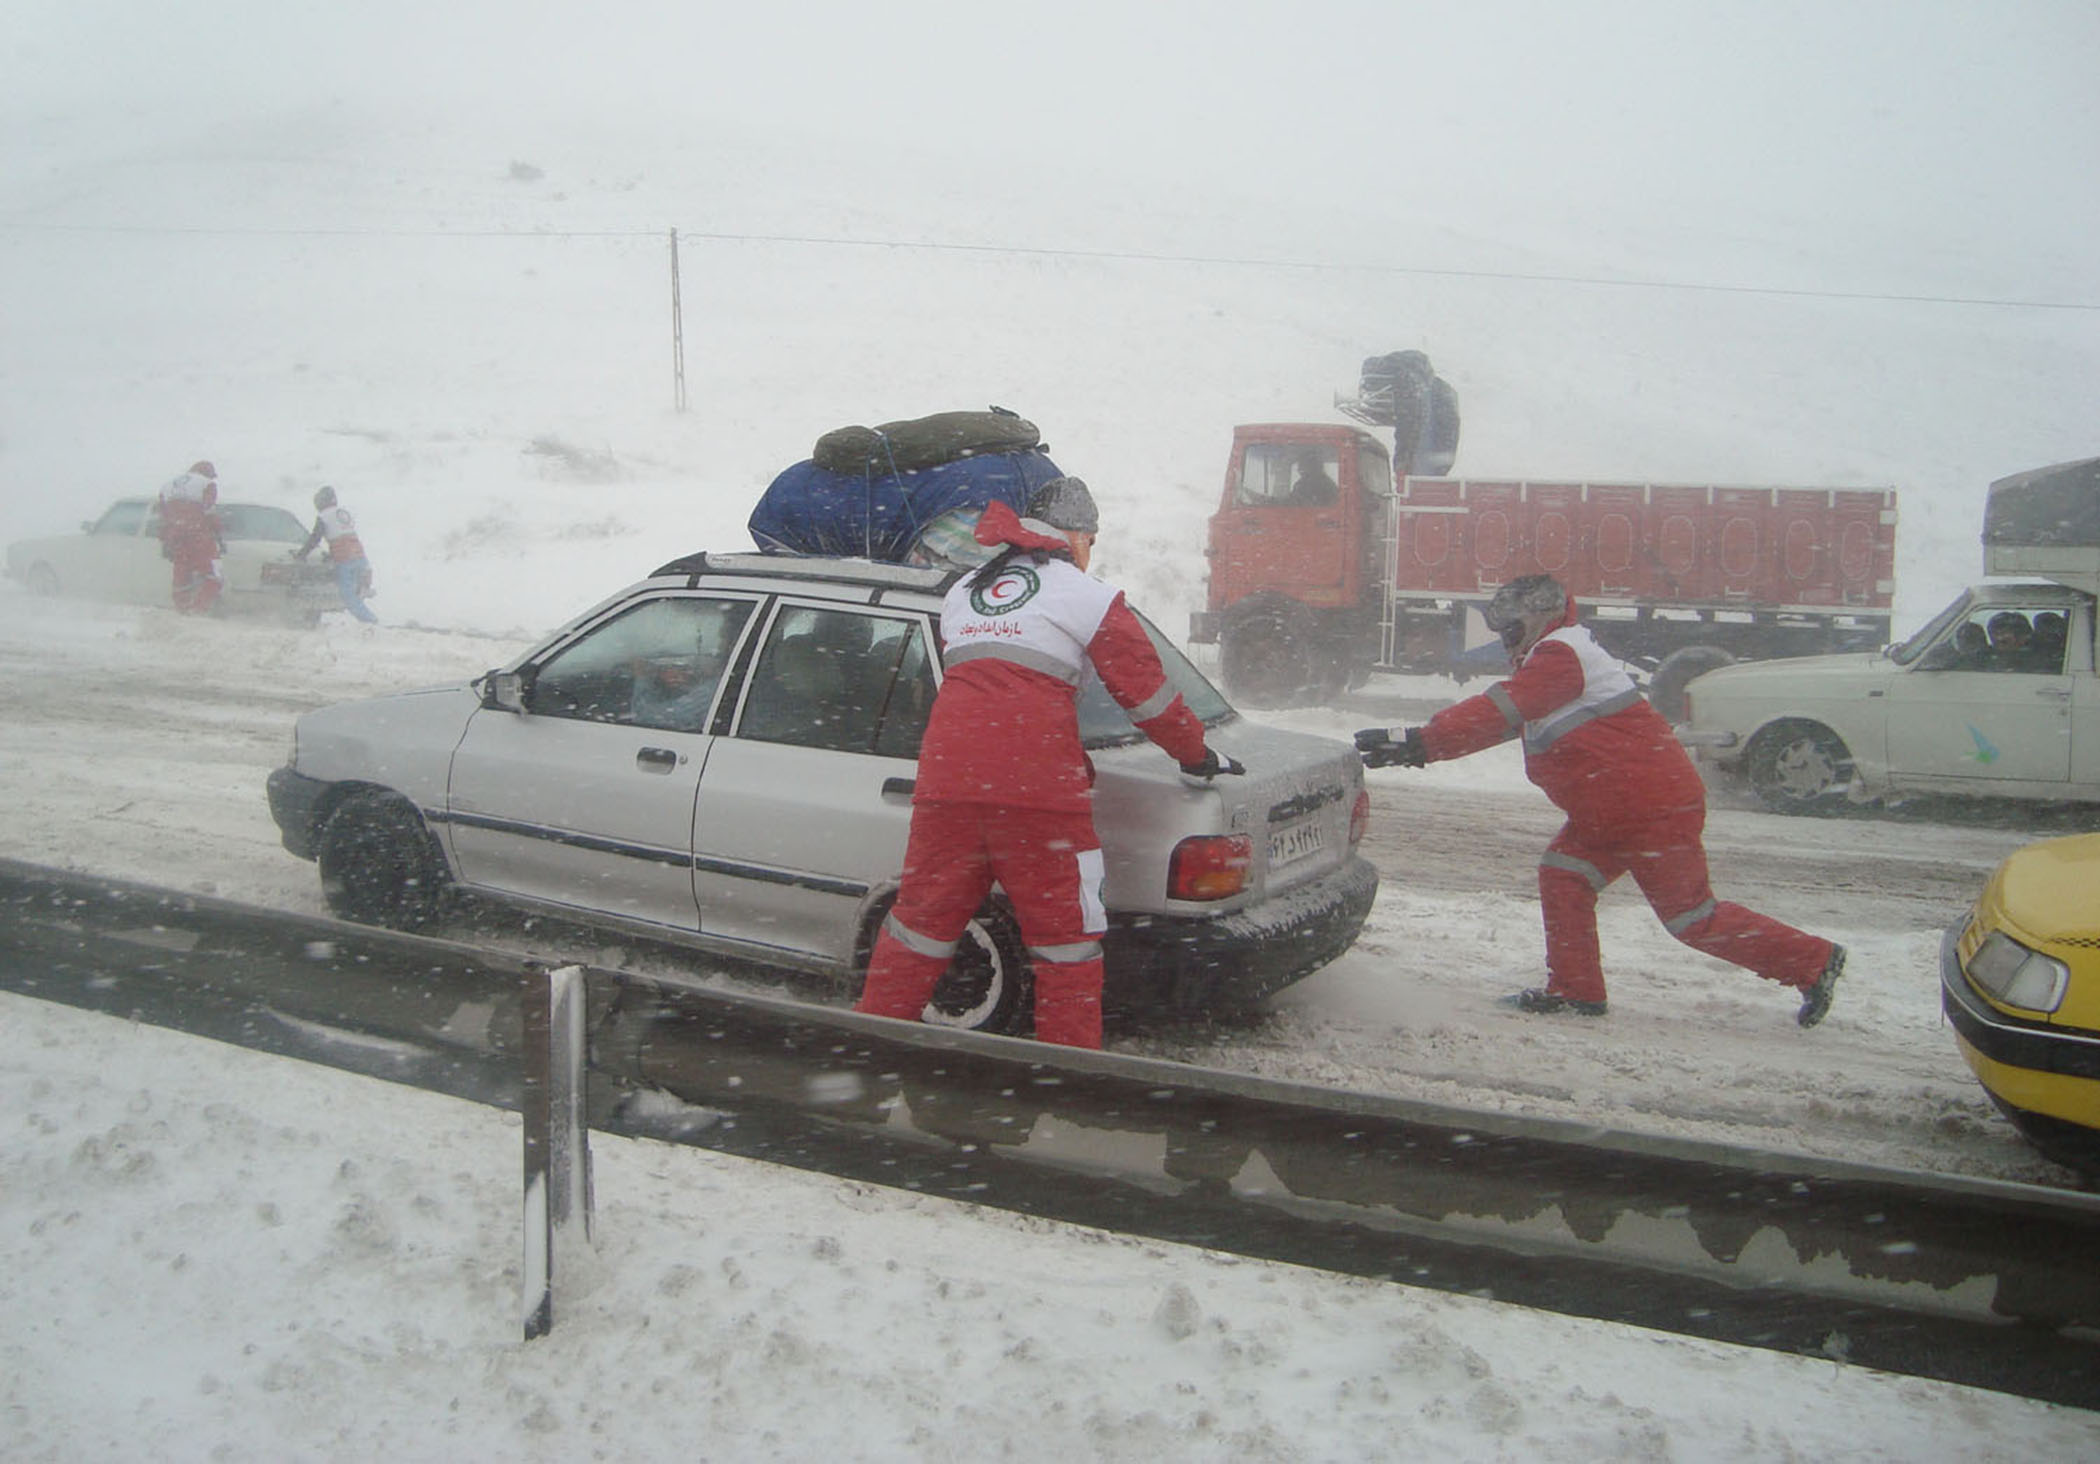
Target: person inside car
{"type": "Point", "coordinates": [1634, 802]}
{"type": "Point", "coordinates": [2046, 652]}
{"type": "Point", "coordinates": [1004, 788]}
{"type": "Point", "coordinates": [2010, 636]}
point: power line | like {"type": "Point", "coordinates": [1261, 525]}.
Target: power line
{"type": "Point", "coordinates": [1115, 255]}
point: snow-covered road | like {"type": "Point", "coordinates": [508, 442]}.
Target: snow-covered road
{"type": "Point", "coordinates": [138, 744]}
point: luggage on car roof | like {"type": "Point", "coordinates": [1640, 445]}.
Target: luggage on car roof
{"type": "Point", "coordinates": [874, 492]}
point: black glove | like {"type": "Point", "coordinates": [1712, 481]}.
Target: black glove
{"type": "Point", "coordinates": [1200, 773]}
{"type": "Point", "coordinates": [1378, 749]}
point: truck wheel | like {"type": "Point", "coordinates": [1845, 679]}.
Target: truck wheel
{"type": "Point", "coordinates": [1264, 656]}
{"type": "Point", "coordinates": [1677, 671]}
{"type": "Point", "coordinates": [378, 864]}
{"type": "Point", "coordinates": [987, 986]}
{"type": "Point", "coordinates": [43, 580]}
{"type": "Point", "coordinates": [1800, 767]}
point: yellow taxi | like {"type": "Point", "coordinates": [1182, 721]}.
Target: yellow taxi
{"type": "Point", "coordinates": [2020, 982]}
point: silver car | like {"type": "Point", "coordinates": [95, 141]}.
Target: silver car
{"type": "Point", "coordinates": [723, 756]}
{"type": "Point", "coordinates": [117, 557]}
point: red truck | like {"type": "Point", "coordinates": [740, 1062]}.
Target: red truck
{"type": "Point", "coordinates": [1321, 570]}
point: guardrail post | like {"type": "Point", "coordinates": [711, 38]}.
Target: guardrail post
{"type": "Point", "coordinates": [558, 1200]}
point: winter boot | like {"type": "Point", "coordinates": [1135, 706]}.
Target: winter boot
{"type": "Point", "coordinates": [1815, 1000]}
{"type": "Point", "coordinates": [1539, 1000]}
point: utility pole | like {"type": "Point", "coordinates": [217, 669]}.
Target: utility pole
{"type": "Point", "coordinates": [677, 332]}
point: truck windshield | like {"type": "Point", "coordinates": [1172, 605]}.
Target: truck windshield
{"type": "Point", "coordinates": [1288, 475]}
{"type": "Point", "coordinates": [1104, 724]}
{"type": "Point", "coordinates": [1905, 652]}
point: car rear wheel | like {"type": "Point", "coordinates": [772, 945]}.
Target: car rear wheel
{"type": "Point", "coordinates": [43, 580]}
{"type": "Point", "coordinates": [987, 986]}
{"type": "Point", "coordinates": [1800, 767]}
{"type": "Point", "coordinates": [378, 864]}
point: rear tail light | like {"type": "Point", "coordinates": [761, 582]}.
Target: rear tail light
{"type": "Point", "coordinates": [1360, 817]}
{"type": "Point", "coordinates": [1211, 867]}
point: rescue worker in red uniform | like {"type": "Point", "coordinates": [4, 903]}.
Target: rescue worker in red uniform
{"type": "Point", "coordinates": [353, 572]}
{"type": "Point", "coordinates": [1634, 802]}
{"type": "Point", "coordinates": [1004, 786]}
{"type": "Point", "coordinates": [189, 537]}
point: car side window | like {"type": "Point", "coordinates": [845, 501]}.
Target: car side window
{"type": "Point", "coordinates": [2004, 640]}
{"type": "Point", "coordinates": [657, 665]}
{"type": "Point", "coordinates": [841, 680]}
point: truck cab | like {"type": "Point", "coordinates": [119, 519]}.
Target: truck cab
{"type": "Point", "coordinates": [1296, 551]}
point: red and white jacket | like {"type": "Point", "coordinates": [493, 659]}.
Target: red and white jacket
{"type": "Point", "coordinates": [1005, 727]}
{"type": "Point", "coordinates": [1591, 741]}
{"type": "Point", "coordinates": [340, 530]}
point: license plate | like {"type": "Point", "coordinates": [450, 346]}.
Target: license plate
{"type": "Point", "coordinates": [1287, 846]}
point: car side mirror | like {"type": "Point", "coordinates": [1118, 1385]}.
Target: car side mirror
{"type": "Point", "coordinates": [506, 691]}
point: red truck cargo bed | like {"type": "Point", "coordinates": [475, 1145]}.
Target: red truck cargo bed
{"type": "Point", "coordinates": [1649, 543]}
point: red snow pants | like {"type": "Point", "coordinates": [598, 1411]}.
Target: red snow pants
{"type": "Point", "coordinates": [1049, 864]}
{"type": "Point", "coordinates": [196, 588]}
{"type": "Point", "coordinates": [1664, 855]}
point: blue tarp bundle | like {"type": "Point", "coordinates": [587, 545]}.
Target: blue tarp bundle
{"type": "Point", "coordinates": [880, 515]}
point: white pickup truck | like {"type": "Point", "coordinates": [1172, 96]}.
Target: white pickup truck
{"type": "Point", "coordinates": [1994, 697]}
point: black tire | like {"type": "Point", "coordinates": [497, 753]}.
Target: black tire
{"type": "Point", "coordinates": [1265, 654]}
{"type": "Point", "coordinates": [1677, 671]}
{"type": "Point", "coordinates": [1800, 767]}
{"type": "Point", "coordinates": [379, 864]}
{"type": "Point", "coordinates": [989, 986]}
{"type": "Point", "coordinates": [43, 581]}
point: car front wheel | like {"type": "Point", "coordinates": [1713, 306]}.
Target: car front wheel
{"type": "Point", "coordinates": [1800, 767]}
{"type": "Point", "coordinates": [43, 580]}
{"type": "Point", "coordinates": [378, 864]}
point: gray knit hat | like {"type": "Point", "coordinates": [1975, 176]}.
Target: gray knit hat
{"type": "Point", "coordinates": [1064, 504]}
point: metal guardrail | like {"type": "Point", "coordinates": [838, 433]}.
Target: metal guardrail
{"type": "Point", "coordinates": [1968, 1281]}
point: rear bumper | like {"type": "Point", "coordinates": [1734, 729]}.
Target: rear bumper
{"type": "Point", "coordinates": [1185, 964]}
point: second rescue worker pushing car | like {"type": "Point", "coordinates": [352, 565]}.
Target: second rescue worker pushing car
{"type": "Point", "coordinates": [1004, 786]}
{"type": "Point", "coordinates": [1634, 803]}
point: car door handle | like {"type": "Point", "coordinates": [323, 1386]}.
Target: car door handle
{"type": "Point", "coordinates": [2061, 693]}
{"type": "Point", "coordinates": [899, 787]}
{"type": "Point", "coordinates": [656, 760]}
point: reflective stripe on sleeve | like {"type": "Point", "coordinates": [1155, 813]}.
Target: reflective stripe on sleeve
{"type": "Point", "coordinates": [1154, 704]}
{"type": "Point", "coordinates": [1508, 707]}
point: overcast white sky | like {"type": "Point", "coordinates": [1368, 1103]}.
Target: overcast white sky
{"type": "Point", "coordinates": [1863, 122]}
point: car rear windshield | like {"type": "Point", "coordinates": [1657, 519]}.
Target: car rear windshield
{"type": "Point", "coordinates": [260, 521]}
{"type": "Point", "coordinates": [1104, 724]}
